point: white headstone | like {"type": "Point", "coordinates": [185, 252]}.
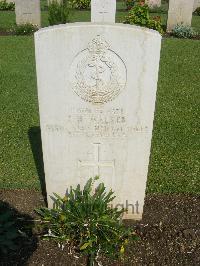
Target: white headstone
{"type": "Point", "coordinates": [196, 4]}
{"type": "Point", "coordinates": [153, 3]}
{"type": "Point", "coordinates": [28, 11]}
{"type": "Point", "coordinates": [180, 12]}
{"type": "Point", "coordinates": [97, 90]}
{"type": "Point", "coordinates": [103, 11]}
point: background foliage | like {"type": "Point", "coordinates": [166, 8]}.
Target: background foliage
{"type": "Point", "coordinates": [81, 4]}
{"type": "Point", "coordinates": [59, 12]}
{"type": "Point", "coordinates": [182, 31]}
{"type": "Point", "coordinates": [5, 6]}
{"type": "Point", "coordinates": [139, 15]}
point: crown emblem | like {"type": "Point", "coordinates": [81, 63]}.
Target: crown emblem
{"type": "Point", "coordinates": [98, 45]}
{"type": "Point", "coordinates": [98, 75]}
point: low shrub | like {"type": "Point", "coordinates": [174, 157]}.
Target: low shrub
{"type": "Point", "coordinates": [139, 15]}
{"type": "Point", "coordinates": [4, 6]}
{"type": "Point", "coordinates": [25, 29]}
{"type": "Point", "coordinates": [81, 4]}
{"type": "Point", "coordinates": [197, 11]}
{"type": "Point", "coordinates": [59, 12]}
{"type": "Point", "coordinates": [129, 4]}
{"type": "Point", "coordinates": [182, 31]}
{"type": "Point", "coordinates": [84, 220]}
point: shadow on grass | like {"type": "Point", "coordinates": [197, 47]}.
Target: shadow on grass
{"type": "Point", "coordinates": [17, 240]}
{"type": "Point", "coordinates": [36, 147]}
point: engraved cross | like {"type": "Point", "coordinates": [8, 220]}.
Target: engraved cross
{"type": "Point", "coordinates": [103, 12]}
{"type": "Point", "coordinates": [97, 164]}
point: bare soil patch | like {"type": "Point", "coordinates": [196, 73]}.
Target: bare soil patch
{"type": "Point", "coordinates": [169, 233]}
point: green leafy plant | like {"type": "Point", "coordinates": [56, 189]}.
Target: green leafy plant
{"type": "Point", "coordinates": [197, 11]}
{"type": "Point", "coordinates": [4, 6]}
{"type": "Point", "coordinates": [139, 15]}
{"type": "Point", "coordinates": [59, 12]}
{"type": "Point", "coordinates": [8, 232]}
{"type": "Point", "coordinates": [25, 29]}
{"type": "Point", "coordinates": [81, 4]}
{"type": "Point", "coordinates": [84, 220]}
{"type": "Point", "coordinates": [182, 31]}
{"type": "Point", "coordinates": [129, 4]}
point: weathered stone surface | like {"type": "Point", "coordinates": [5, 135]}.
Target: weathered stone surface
{"type": "Point", "coordinates": [103, 11]}
{"type": "Point", "coordinates": [97, 90]}
{"type": "Point", "coordinates": [196, 4]}
{"type": "Point", "coordinates": [28, 11]}
{"type": "Point", "coordinates": [180, 12]}
{"type": "Point", "coordinates": [153, 3]}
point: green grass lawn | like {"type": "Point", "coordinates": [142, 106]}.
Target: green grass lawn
{"type": "Point", "coordinates": [7, 19]}
{"type": "Point", "coordinates": [175, 156]}
{"type": "Point", "coordinates": [174, 165]}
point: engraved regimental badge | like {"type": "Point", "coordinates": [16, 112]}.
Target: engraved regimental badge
{"type": "Point", "coordinates": [98, 74]}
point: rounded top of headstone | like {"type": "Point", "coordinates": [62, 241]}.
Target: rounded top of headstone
{"type": "Point", "coordinates": [101, 25]}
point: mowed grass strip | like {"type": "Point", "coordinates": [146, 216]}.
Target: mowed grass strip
{"type": "Point", "coordinates": [174, 165]}
{"type": "Point", "coordinates": [18, 112]}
